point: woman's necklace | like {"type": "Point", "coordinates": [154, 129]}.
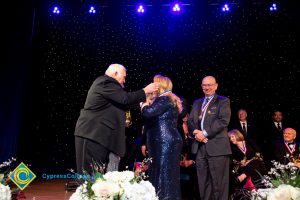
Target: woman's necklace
{"type": "Point", "coordinates": [243, 147]}
{"type": "Point", "coordinates": [165, 92]}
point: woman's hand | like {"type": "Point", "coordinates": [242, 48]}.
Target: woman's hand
{"type": "Point", "coordinates": [297, 164]}
{"type": "Point", "coordinates": [143, 104]}
{"type": "Point", "coordinates": [186, 163]}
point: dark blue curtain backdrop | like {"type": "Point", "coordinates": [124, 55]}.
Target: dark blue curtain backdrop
{"type": "Point", "coordinates": [253, 54]}
{"type": "Point", "coordinates": [15, 66]}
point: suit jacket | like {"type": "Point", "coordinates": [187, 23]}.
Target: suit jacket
{"type": "Point", "coordinates": [273, 134]}
{"type": "Point", "coordinates": [280, 152]}
{"type": "Point", "coordinates": [251, 133]}
{"type": "Point", "coordinates": [103, 117]}
{"type": "Point", "coordinates": [215, 123]}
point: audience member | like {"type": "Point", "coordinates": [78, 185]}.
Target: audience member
{"type": "Point", "coordinates": [245, 126]}
{"type": "Point", "coordinates": [287, 150]}
{"type": "Point", "coordinates": [248, 165]}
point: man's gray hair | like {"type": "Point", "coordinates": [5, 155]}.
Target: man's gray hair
{"type": "Point", "coordinates": [113, 68]}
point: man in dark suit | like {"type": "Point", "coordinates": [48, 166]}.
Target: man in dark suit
{"type": "Point", "coordinates": [275, 128]}
{"type": "Point", "coordinates": [100, 129]}
{"type": "Point", "coordinates": [208, 123]}
{"type": "Point", "coordinates": [246, 127]}
{"type": "Point", "coordinates": [287, 150]}
{"type": "Point", "coordinates": [273, 133]}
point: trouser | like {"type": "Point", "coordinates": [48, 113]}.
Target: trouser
{"type": "Point", "coordinates": [213, 176]}
{"type": "Point", "coordinates": [90, 155]}
{"type": "Point", "coordinates": [113, 164]}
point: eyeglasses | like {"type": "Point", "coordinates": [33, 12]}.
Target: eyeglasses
{"type": "Point", "coordinates": [207, 85]}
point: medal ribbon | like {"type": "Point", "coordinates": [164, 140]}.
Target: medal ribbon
{"type": "Point", "coordinates": [204, 106]}
{"type": "Point", "coordinates": [244, 148]}
{"type": "Point", "coordinates": [290, 150]}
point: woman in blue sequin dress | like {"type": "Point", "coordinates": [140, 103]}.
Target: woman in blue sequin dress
{"type": "Point", "coordinates": [163, 140]}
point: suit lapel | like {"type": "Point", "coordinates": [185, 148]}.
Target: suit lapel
{"type": "Point", "coordinates": [212, 102]}
{"type": "Point", "coordinates": [197, 114]}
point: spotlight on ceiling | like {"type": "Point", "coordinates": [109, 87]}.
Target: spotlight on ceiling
{"type": "Point", "coordinates": [140, 9]}
{"type": "Point", "coordinates": [92, 10]}
{"type": "Point", "coordinates": [56, 10]}
{"type": "Point", "coordinates": [225, 8]}
{"type": "Point", "coordinates": [176, 8]}
{"type": "Point", "coordinates": [273, 7]}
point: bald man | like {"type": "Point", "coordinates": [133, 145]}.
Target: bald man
{"type": "Point", "coordinates": [287, 149]}
{"type": "Point", "coordinates": [100, 129]}
{"type": "Point", "coordinates": [208, 123]}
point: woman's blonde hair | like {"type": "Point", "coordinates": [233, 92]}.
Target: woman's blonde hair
{"type": "Point", "coordinates": [165, 84]}
{"type": "Point", "coordinates": [238, 135]}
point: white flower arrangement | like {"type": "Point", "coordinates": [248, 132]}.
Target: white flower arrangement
{"type": "Point", "coordinates": [139, 191]}
{"type": "Point", "coordinates": [125, 185]}
{"type": "Point", "coordinates": [282, 183]}
{"type": "Point", "coordinates": [8, 190]}
{"type": "Point", "coordinates": [282, 192]}
{"type": "Point", "coordinates": [116, 186]}
{"type": "Point", "coordinates": [5, 193]}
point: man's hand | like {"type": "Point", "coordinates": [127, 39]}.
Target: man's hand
{"type": "Point", "coordinates": [152, 87]}
{"type": "Point", "coordinates": [199, 136]}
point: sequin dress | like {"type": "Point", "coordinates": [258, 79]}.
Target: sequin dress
{"type": "Point", "coordinates": [164, 147]}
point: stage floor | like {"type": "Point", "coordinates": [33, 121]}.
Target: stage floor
{"type": "Point", "coordinates": [47, 190]}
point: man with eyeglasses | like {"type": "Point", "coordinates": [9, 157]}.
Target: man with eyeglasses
{"type": "Point", "coordinates": [208, 123]}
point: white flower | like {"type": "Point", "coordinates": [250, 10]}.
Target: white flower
{"type": "Point", "coordinates": [261, 194]}
{"type": "Point", "coordinates": [5, 193]}
{"type": "Point", "coordinates": [7, 163]}
{"type": "Point", "coordinates": [119, 177]}
{"type": "Point", "coordinates": [105, 189]}
{"type": "Point", "coordinates": [80, 193]}
{"type": "Point", "coordinates": [284, 192]}
{"type": "Point", "coordinates": [121, 185]}
{"type": "Point", "coordinates": [295, 193]}
{"type": "Point", "coordinates": [139, 191]}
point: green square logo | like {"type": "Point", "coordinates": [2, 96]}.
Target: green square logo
{"type": "Point", "coordinates": [22, 176]}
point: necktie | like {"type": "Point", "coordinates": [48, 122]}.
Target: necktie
{"type": "Point", "coordinates": [244, 128]}
{"type": "Point", "coordinates": [203, 108]}
{"type": "Point", "coordinates": [205, 102]}
{"type": "Point", "coordinates": [278, 126]}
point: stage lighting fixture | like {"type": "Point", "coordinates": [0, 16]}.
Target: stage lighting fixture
{"type": "Point", "coordinates": [225, 8]}
{"type": "Point", "coordinates": [56, 10]}
{"type": "Point", "coordinates": [176, 7]}
{"type": "Point", "coordinates": [140, 9]}
{"type": "Point", "coordinates": [92, 10]}
{"type": "Point", "coordinates": [273, 7]}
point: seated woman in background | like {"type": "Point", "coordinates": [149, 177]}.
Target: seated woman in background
{"type": "Point", "coordinates": [248, 165]}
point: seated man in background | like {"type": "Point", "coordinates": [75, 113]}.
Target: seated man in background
{"type": "Point", "coordinates": [287, 150]}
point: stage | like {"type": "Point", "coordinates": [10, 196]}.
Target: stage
{"type": "Point", "coordinates": [47, 190]}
